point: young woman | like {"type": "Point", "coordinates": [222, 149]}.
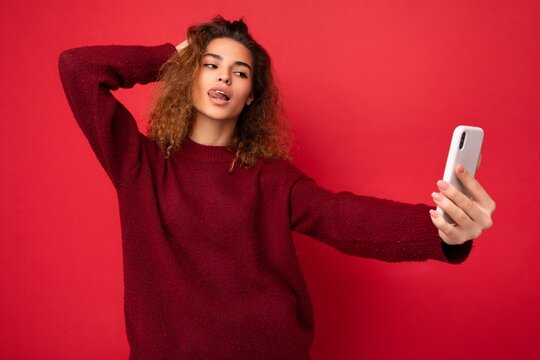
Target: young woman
{"type": "Point", "coordinates": [209, 198]}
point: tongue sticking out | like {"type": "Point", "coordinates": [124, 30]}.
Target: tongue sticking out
{"type": "Point", "coordinates": [217, 95]}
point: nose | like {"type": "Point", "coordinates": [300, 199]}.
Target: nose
{"type": "Point", "coordinates": [225, 79]}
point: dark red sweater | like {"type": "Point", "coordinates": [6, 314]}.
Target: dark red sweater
{"type": "Point", "coordinates": [209, 263]}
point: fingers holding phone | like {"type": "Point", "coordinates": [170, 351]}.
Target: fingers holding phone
{"type": "Point", "coordinates": [464, 208]}
{"type": "Point", "coordinates": [471, 215]}
{"type": "Point", "coordinates": [475, 189]}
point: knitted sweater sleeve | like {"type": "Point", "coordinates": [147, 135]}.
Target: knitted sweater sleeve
{"type": "Point", "coordinates": [369, 227]}
{"type": "Point", "coordinates": [88, 74]}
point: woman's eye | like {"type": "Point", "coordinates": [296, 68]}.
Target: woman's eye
{"type": "Point", "coordinates": [241, 74]}
{"type": "Point", "coordinates": [211, 66]}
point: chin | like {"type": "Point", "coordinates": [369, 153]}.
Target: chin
{"type": "Point", "coordinates": [218, 115]}
{"type": "Point", "coordinates": [218, 112]}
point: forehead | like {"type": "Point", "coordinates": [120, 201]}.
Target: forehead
{"type": "Point", "coordinates": [230, 50]}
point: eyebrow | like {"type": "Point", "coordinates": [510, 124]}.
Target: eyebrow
{"type": "Point", "coordinates": [240, 63]}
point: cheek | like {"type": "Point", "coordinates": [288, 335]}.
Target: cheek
{"type": "Point", "coordinates": [245, 90]}
{"type": "Point", "coordinates": [199, 81]}
{"type": "Point", "coordinates": [196, 92]}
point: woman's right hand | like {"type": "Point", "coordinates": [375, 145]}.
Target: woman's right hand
{"type": "Point", "coordinates": [182, 45]}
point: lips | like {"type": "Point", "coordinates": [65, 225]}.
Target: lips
{"type": "Point", "coordinates": [220, 94]}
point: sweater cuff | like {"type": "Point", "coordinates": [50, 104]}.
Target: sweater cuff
{"type": "Point", "coordinates": [158, 55]}
{"type": "Point", "coordinates": [456, 254]}
{"type": "Point", "coordinates": [168, 48]}
{"type": "Point", "coordinates": [430, 245]}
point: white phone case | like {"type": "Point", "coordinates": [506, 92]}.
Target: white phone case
{"type": "Point", "coordinates": [465, 150]}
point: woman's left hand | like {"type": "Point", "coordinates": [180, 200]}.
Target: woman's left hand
{"type": "Point", "coordinates": [471, 214]}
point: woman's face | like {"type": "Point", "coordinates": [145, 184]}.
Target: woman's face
{"type": "Point", "coordinates": [223, 85]}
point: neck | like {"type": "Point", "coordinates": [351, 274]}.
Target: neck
{"type": "Point", "coordinates": [206, 131]}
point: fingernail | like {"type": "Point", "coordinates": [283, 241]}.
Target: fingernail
{"type": "Point", "coordinates": [443, 185]}
{"type": "Point", "coordinates": [434, 213]}
{"type": "Point", "coordinates": [436, 196]}
{"type": "Point", "coordinates": [460, 169]}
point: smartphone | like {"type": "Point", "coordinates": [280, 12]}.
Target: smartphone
{"type": "Point", "coordinates": [465, 150]}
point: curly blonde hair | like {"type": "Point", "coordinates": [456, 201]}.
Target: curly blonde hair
{"type": "Point", "coordinates": [261, 129]}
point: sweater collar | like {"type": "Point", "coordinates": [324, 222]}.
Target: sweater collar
{"type": "Point", "coordinates": [210, 153]}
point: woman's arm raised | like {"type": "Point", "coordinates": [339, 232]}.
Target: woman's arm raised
{"type": "Point", "coordinates": [182, 45]}
{"type": "Point", "coordinates": [88, 75]}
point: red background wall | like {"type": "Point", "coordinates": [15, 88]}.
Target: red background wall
{"type": "Point", "coordinates": [373, 90]}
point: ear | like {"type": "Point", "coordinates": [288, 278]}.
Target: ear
{"type": "Point", "coordinates": [249, 99]}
